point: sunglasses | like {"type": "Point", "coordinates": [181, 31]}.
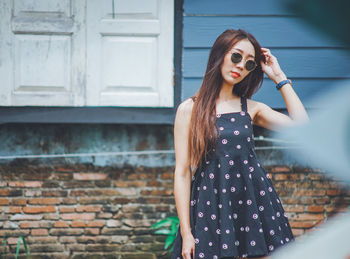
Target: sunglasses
{"type": "Point", "coordinates": [250, 65]}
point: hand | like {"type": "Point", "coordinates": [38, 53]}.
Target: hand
{"type": "Point", "coordinates": [271, 67]}
{"type": "Point", "coordinates": [188, 246]}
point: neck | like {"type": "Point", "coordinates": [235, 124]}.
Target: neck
{"type": "Point", "coordinates": [226, 92]}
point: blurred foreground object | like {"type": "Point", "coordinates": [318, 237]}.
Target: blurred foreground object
{"type": "Point", "coordinates": [328, 241]}
{"type": "Point", "coordinates": [325, 140]}
{"type": "Point", "coordinates": [330, 17]}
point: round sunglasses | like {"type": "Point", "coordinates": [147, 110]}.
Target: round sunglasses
{"type": "Point", "coordinates": [250, 65]}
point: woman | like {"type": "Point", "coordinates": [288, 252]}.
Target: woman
{"type": "Point", "coordinates": [229, 208]}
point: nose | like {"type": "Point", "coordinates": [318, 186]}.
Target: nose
{"type": "Point", "coordinates": [240, 64]}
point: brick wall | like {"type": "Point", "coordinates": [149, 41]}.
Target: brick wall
{"type": "Point", "coordinates": [104, 212]}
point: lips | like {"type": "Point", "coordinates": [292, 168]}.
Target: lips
{"type": "Point", "coordinates": [235, 74]}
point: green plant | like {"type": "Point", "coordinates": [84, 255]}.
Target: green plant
{"type": "Point", "coordinates": [21, 238]}
{"type": "Point", "coordinates": [170, 227]}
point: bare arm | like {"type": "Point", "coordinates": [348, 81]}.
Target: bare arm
{"type": "Point", "coordinates": [183, 175]}
{"type": "Point", "coordinates": [268, 118]}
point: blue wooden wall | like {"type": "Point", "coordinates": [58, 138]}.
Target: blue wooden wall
{"type": "Point", "coordinates": [314, 62]}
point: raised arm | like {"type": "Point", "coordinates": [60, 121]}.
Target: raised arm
{"type": "Point", "coordinates": [268, 118]}
{"type": "Point", "coordinates": [183, 175]}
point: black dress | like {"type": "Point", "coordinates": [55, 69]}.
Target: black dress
{"type": "Point", "coordinates": [234, 208]}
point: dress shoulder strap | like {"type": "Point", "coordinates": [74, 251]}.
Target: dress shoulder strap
{"type": "Point", "coordinates": [244, 104]}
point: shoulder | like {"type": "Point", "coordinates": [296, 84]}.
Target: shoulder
{"type": "Point", "coordinates": [183, 117]}
{"type": "Point", "coordinates": [185, 108]}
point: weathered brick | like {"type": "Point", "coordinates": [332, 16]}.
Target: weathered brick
{"type": "Point", "coordinates": [157, 192]}
{"type": "Point", "coordinates": [39, 232]}
{"type": "Point", "coordinates": [67, 240]}
{"type": "Point", "coordinates": [102, 248]}
{"type": "Point", "coordinates": [92, 231]}
{"type": "Point", "coordinates": [18, 201]}
{"type": "Point", "coordinates": [39, 209]}
{"type": "Point", "coordinates": [12, 240]}
{"type": "Point", "coordinates": [96, 224]}
{"type": "Point", "coordinates": [10, 193]}
{"type": "Point", "coordinates": [104, 215]}
{"type": "Point", "coordinates": [14, 232]}
{"type": "Point", "coordinates": [315, 208]}
{"type": "Point", "coordinates": [66, 232]}
{"type": "Point", "coordinates": [64, 176]}
{"type": "Point", "coordinates": [279, 177]}
{"type": "Point", "coordinates": [66, 209]}
{"type": "Point", "coordinates": [26, 217]}
{"type": "Point", "coordinates": [323, 200]}
{"type": "Point", "coordinates": [87, 239]}
{"type": "Point", "coordinates": [32, 193]}
{"type": "Point", "coordinates": [113, 223]}
{"type": "Point", "coordinates": [80, 248]}
{"type": "Point", "coordinates": [296, 208]}
{"type": "Point", "coordinates": [51, 216]}
{"type": "Point", "coordinates": [316, 176]}
{"type": "Point", "coordinates": [44, 201]}
{"type": "Point", "coordinates": [78, 193]}
{"type": "Point", "coordinates": [334, 192]}
{"type": "Point", "coordinates": [46, 248]}
{"type": "Point", "coordinates": [67, 201]}
{"type": "Point", "coordinates": [78, 184]}
{"type": "Point", "coordinates": [92, 200]}
{"type": "Point", "coordinates": [137, 222]}
{"type": "Point", "coordinates": [88, 208]}
{"type": "Point", "coordinates": [55, 193]}
{"type": "Point", "coordinates": [306, 192]}
{"type": "Point", "coordinates": [15, 209]}
{"type": "Point", "coordinates": [78, 216]}
{"type": "Point", "coordinates": [78, 224]}
{"type": "Point", "coordinates": [309, 216]}
{"type": "Point", "coordinates": [141, 176]}
{"type": "Point", "coordinates": [30, 224]}
{"type": "Point", "coordinates": [11, 225]}
{"type": "Point", "coordinates": [126, 184]}
{"type": "Point", "coordinates": [51, 184]}
{"type": "Point", "coordinates": [301, 224]}
{"type": "Point", "coordinates": [25, 184]}
{"type": "Point", "coordinates": [61, 224]}
{"type": "Point", "coordinates": [103, 192]}
{"type": "Point", "coordinates": [296, 176]}
{"type": "Point", "coordinates": [117, 231]}
{"type": "Point", "coordinates": [167, 176]}
{"type": "Point", "coordinates": [89, 176]}
{"type": "Point", "coordinates": [128, 191]}
{"type": "Point", "coordinates": [279, 169]}
{"type": "Point", "coordinates": [42, 240]}
{"type": "Point", "coordinates": [4, 201]}
{"type": "Point", "coordinates": [124, 200]}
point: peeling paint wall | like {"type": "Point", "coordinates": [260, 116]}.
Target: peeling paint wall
{"type": "Point", "coordinates": [108, 144]}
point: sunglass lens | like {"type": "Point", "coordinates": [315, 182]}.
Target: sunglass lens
{"type": "Point", "coordinates": [236, 57]}
{"type": "Point", "coordinates": [250, 65]}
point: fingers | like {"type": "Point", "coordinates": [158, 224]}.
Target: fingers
{"type": "Point", "coordinates": [268, 56]}
{"type": "Point", "coordinates": [188, 255]}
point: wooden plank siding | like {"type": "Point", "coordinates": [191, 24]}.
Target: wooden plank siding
{"type": "Point", "coordinates": [311, 60]}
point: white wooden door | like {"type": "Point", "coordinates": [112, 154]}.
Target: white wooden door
{"type": "Point", "coordinates": [130, 53]}
{"type": "Point", "coordinates": [42, 53]}
{"type": "Point", "coordinates": [86, 53]}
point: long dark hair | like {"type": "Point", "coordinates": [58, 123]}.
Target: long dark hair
{"type": "Point", "coordinates": [203, 134]}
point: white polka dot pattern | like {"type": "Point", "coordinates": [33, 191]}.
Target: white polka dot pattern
{"type": "Point", "coordinates": [234, 209]}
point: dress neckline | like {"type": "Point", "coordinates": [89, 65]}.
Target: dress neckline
{"type": "Point", "coordinates": [242, 111]}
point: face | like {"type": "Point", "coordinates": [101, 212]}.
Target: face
{"type": "Point", "coordinates": [234, 73]}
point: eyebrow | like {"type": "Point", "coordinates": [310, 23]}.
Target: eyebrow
{"type": "Point", "coordinates": [242, 52]}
